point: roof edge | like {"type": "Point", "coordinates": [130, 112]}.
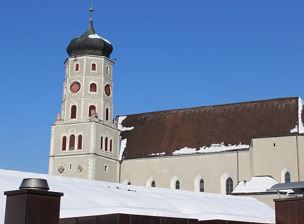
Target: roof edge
{"type": "Point", "coordinates": [215, 105]}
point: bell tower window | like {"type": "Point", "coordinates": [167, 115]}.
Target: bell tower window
{"type": "Point", "coordinates": [101, 142]}
{"type": "Point", "coordinates": [93, 88]}
{"type": "Point", "coordinates": [73, 112]}
{"type": "Point", "coordinates": [93, 67]}
{"type": "Point", "coordinates": [63, 144]}
{"type": "Point", "coordinates": [111, 145]}
{"type": "Point", "coordinates": [79, 145]}
{"type": "Point", "coordinates": [76, 67]}
{"type": "Point", "coordinates": [72, 142]}
{"type": "Point", "coordinates": [106, 144]}
{"type": "Point", "coordinates": [107, 114]}
{"type": "Point", "coordinates": [92, 110]}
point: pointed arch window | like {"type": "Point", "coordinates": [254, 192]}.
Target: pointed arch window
{"type": "Point", "coordinates": [93, 87]}
{"type": "Point", "coordinates": [287, 177]}
{"type": "Point", "coordinates": [202, 185]}
{"type": "Point", "coordinates": [63, 143]}
{"type": "Point", "coordinates": [93, 67]}
{"type": "Point", "coordinates": [177, 185]}
{"type": "Point", "coordinates": [107, 114]}
{"type": "Point", "coordinates": [79, 143]}
{"type": "Point", "coordinates": [72, 142]}
{"type": "Point", "coordinates": [111, 145]}
{"type": "Point", "coordinates": [92, 110]}
{"type": "Point", "coordinates": [229, 185]}
{"type": "Point", "coordinates": [101, 142]}
{"type": "Point", "coordinates": [106, 144]}
{"type": "Point", "coordinates": [73, 112]}
{"type": "Point", "coordinates": [153, 184]}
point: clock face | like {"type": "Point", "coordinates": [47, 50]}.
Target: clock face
{"type": "Point", "coordinates": [107, 90]}
{"type": "Point", "coordinates": [75, 87]}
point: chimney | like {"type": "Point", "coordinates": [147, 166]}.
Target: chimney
{"type": "Point", "coordinates": [33, 203]}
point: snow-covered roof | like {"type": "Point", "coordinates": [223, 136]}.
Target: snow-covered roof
{"type": "Point", "coordinates": [259, 184]}
{"type": "Point", "coordinates": [90, 198]}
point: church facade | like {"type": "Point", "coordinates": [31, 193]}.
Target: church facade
{"type": "Point", "coordinates": [210, 149]}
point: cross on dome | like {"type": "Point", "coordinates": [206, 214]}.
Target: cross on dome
{"type": "Point", "coordinates": [91, 11]}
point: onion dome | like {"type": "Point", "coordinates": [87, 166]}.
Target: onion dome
{"type": "Point", "coordinates": [90, 43]}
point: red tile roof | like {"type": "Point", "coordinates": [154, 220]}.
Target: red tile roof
{"type": "Point", "coordinates": [167, 131]}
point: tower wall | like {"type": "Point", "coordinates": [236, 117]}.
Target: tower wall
{"type": "Point", "coordinates": [85, 139]}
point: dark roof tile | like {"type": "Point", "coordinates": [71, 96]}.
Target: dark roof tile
{"type": "Point", "coordinates": [167, 131]}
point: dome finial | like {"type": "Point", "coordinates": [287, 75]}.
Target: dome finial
{"type": "Point", "coordinates": [91, 11]}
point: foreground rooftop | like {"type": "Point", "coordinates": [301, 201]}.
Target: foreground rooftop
{"type": "Point", "coordinates": [91, 198]}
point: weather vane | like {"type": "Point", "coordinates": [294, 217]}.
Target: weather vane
{"type": "Point", "coordinates": [91, 11]}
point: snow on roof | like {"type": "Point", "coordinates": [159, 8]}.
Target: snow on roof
{"type": "Point", "coordinates": [96, 36]}
{"type": "Point", "coordinates": [213, 148]}
{"type": "Point", "coordinates": [90, 198]}
{"type": "Point", "coordinates": [258, 184]}
{"type": "Point", "coordinates": [122, 128]}
{"type": "Point", "coordinates": [123, 145]}
{"type": "Point", "coordinates": [299, 128]}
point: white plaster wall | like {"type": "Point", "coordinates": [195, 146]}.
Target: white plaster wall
{"type": "Point", "coordinates": [210, 167]}
{"type": "Point", "coordinates": [271, 155]}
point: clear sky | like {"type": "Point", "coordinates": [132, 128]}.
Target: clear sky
{"type": "Point", "coordinates": [169, 54]}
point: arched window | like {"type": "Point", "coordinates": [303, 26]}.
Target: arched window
{"type": "Point", "coordinates": [107, 114]}
{"type": "Point", "coordinates": [101, 142]}
{"type": "Point", "coordinates": [73, 112]}
{"type": "Point", "coordinates": [63, 143]}
{"type": "Point", "coordinates": [72, 142]}
{"type": "Point", "coordinates": [93, 67]}
{"type": "Point", "coordinates": [229, 185]}
{"type": "Point", "coordinates": [153, 184]}
{"type": "Point", "coordinates": [111, 145]}
{"type": "Point", "coordinates": [77, 67]}
{"type": "Point", "coordinates": [106, 168]}
{"type": "Point", "coordinates": [202, 185]}
{"type": "Point", "coordinates": [129, 183]}
{"type": "Point", "coordinates": [177, 185]}
{"type": "Point", "coordinates": [93, 87]}
{"type": "Point", "coordinates": [287, 177]}
{"type": "Point", "coordinates": [92, 110]}
{"type": "Point", "coordinates": [106, 144]}
{"type": "Point", "coordinates": [79, 145]}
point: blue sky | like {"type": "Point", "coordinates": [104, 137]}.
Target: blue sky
{"type": "Point", "coordinates": [170, 54]}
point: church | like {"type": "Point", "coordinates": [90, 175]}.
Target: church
{"type": "Point", "coordinates": [217, 149]}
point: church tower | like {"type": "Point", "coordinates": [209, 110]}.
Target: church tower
{"type": "Point", "coordinates": [84, 138]}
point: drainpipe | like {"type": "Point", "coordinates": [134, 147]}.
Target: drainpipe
{"type": "Point", "coordinates": [119, 175]}
{"type": "Point", "coordinates": [298, 165]}
{"type": "Point", "coordinates": [33, 203]}
{"type": "Point", "coordinates": [237, 167]}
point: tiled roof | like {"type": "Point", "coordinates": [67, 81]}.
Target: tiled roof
{"type": "Point", "coordinates": [229, 124]}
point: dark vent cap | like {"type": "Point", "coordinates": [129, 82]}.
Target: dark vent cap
{"type": "Point", "coordinates": [34, 183]}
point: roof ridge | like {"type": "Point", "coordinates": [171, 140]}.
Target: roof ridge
{"type": "Point", "coordinates": [214, 105]}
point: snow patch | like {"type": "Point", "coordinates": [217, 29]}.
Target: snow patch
{"type": "Point", "coordinates": [213, 148]}
{"type": "Point", "coordinates": [90, 198]}
{"type": "Point", "coordinates": [96, 36]}
{"type": "Point", "coordinates": [255, 185]}
{"type": "Point", "coordinates": [123, 145]}
{"type": "Point", "coordinates": [158, 154]}
{"type": "Point", "coordinates": [122, 128]}
{"type": "Point", "coordinates": [299, 128]}
{"type": "Point", "coordinates": [300, 108]}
